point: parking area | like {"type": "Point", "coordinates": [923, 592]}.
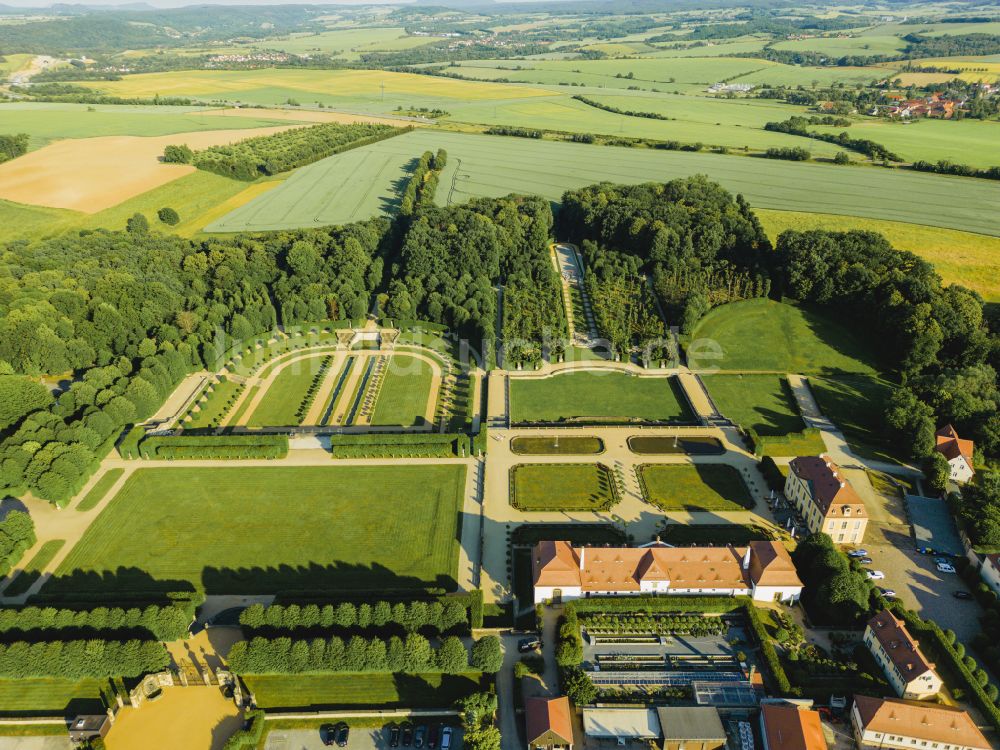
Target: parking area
{"type": "Point", "coordinates": [361, 738]}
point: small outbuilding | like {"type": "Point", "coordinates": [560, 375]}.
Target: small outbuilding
{"type": "Point", "coordinates": [620, 727]}
{"type": "Point", "coordinates": [548, 723]}
{"type": "Point", "coordinates": [86, 727]}
{"type": "Point", "coordinates": [691, 728]}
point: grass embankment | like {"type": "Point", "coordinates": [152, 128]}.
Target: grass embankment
{"type": "Point", "coordinates": [763, 402]}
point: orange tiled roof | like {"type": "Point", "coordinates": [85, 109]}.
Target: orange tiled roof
{"type": "Point", "coordinates": [548, 715]}
{"type": "Point", "coordinates": [952, 446]}
{"type": "Point", "coordinates": [832, 493]}
{"type": "Point", "coordinates": [792, 728]}
{"type": "Point", "coordinates": [902, 648]}
{"type": "Point", "coordinates": [919, 719]}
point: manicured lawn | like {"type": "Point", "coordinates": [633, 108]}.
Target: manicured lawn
{"type": "Point", "coordinates": [34, 567]}
{"type": "Point", "coordinates": [694, 488]}
{"type": "Point", "coordinates": [780, 337]}
{"type": "Point", "coordinates": [368, 691]}
{"type": "Point", "coordinates": [47, 697]}
{"type": "Point", "coordinates": [280, 405]}
{"type": "Point", "coordinates": [562, 487]}
{"type": "Point", "coordinates": [762, 402]}
{"type": "Point", "coordinates": [100, 489]}
{"type": "Point", "coordinates": [402, 399]}
{"type": "Point", "coordinates": [557, 446]}
{"type": "Point", "coordinates": [595, 397]}
{"type": "Point", "coordinates": [263, 529]}
{"type": "Point", "coordinates": [215, 405]}
{"type": "Point", "coordinates": [857, 406]}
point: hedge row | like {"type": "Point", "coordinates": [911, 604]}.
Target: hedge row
{"type": "Point", "coordinates": [248, 737]}
{"type": "Point", "coordinates": [649, 604]}
{"type": "Point", "coordinates": [411, 655]}
{"type": "Point", "coordinates": [410, 616]}
{"type": "Point", "coordinates": [79, 659]}
{"type": "Point", "coordinates": [933, 640]}
{"type": "Point", "coordinates": [782, 683]}
{"type": "Point", "coordinates": [413, 445]}
{"type": "Point", "coordinates": [214, 446]}
{"type": "Point", "coordinates": [166, 623]}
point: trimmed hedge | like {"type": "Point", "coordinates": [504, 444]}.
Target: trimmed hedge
{"type": "Point", "coordinates": [166, 623]}
{"type": "Point", "coordinates": [78, 659]}
{"type": "Point", "coordinates": [250, 736]}
{"type": "Point", "coordinates": [650, 604]}
{"type": "Point", "coordinates": [440, 616]}
{"type": "Point", "coordinates": [476, 608]}
{"type": "Point", "coordinates": [17, 536]}
{"type": "Point", "coordinates": [129, 446]}
{"type": "Point", "coordinates": [214, 446]}
{"type": "Point", "coordinates": [782, 683]}
{"type": "Point", "coordinates": [393, 445]}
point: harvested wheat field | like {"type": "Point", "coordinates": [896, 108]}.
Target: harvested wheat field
{"type": "Point", "coordinates": [64, 174]}
{"type": "Point", "coordinates": [307, 115]}
{"type": "Point", "coordinates": [183, 717]}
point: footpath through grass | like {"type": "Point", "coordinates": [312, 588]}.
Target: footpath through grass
{"type": "Point", "coordinates": [701, 487]}
{"type": "Point", "coordinates": [562, 487]}
{"type": "Point", "coordinates": [100, 489]}
{"type": "Point", "coordinates": [266, 530]}
{"type": "Point", "coordinates": [764, 335]}
{"type": "Point", "coordinates": [595, 397]}
{"type": "Point", "coordinates": [368, 691]}
{"type": "Point", "coordinates": [34, 568]}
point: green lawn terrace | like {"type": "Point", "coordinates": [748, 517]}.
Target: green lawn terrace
{"type": "Point", "coordinates": [595, 397]}
{"type": "Point", "coordinates": [763, 402]}
{"type": "Point", "coordinates": [331, 529]}
{"type": "Point", "coordinates": [695, 488]}
{"type": "Point", "coordinates": [562, 487]}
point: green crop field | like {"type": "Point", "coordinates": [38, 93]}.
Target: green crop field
{"type": "Point", "coordinates": [367, 691]}
{"type": "Point", "coordinates": [701, 487]}
{"type": "Point", "coordinates": [50, 697]}
{"type": "Point", "coordinates": [347, 44]}
{"type": "Point", "coordinates": [960, 257]}
{"type": "Point", "coordinates": [562, 487]}
{"type": "Point", "coordinates": [263, 529]}
{"type": "Point", "coordinates": [763, 402]}
{"type": "Point", "coordinates": [281, 403]}
{"type": "Point", "coordinates": [493, 166]}
{"type": "Point", "coordinates": [402, 399]}
{"type": "Point", "coordinates": [764, 335]}
{"type": "Point", "coordinates": [595, 396]}
{"type": "Point", "coordinates": [48, 122]}
{"type": "Point", "coordinates": [860, 45]}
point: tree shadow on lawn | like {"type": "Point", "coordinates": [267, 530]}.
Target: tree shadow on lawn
{"type": "Point", "coordinates": [848, 342]}
{"type": "Point", "coordinates": [389, 204]}
{"type": "Point", "coordinates": [773, 423]}
{"type": "Point", "coordinates": [725, 481]}
{"type": "Point", "coordinates": [309, 580]}
{"type": "Point", "coordinates": [121, 587]}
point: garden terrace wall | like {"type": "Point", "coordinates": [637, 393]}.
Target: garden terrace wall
{"type": "Point", "coordinates": [770, 444]}
{"type": "Point", "coordinates": [214, 446]}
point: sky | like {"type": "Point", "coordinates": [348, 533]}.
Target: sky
{"type": "Point", "coordinates": [181, 3]}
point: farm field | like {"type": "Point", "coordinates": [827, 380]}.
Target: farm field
{"type": "Point", "coordinates": [595, 396]}
{"type": "Point", "coordinates": [562, 487]}
{"type": "Point", "coordinates": [61, 175]}
{"type": "Point", "coordinates": [348, 44]}
{"type": "Point", "coordinates": [763, 335]}
{"type": "Point", "coordinates": [960, 257]}
{"type": "Point", "coordinates": [395, 528]}
{"type": "Point", "coordinates": [405, 391]}
{"type": "Point", "coordinates": [763, 402]}
{"type": "Point", "coordinates": [701, 487]}
{"type": "Point", "coordinates": [50, 696]}
{"type": "Point", "coordinates": [47, 122]}
{"type": "Point", "coordinates": [968, 141]}
{"type": "Point", "coordinates": [860, 45]}
{"type": "Point", "coordinates": [282, 403]}
{"type": "Point", "coordinates": [315, 691]}
{"type": "Point", "coordinates": [358, 90]}
{"type": "Point", "coordinates": [494, 166]}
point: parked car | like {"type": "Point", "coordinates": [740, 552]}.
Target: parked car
{"type": "Point", "coordinates": [961, 594]}
{"type": "Point", "coordinates": [858, 553]}
{"type": "Point", "coordinates": [407, 734]}
{"type": "Point", "coordinates": [946, 568]}
{"type": "Point", "coordinates": [942, 560]}
{"type": "Point", "coordinates": [875, 575]}
{"type": "Point", "coordinates": [888, 593]}
{"type": "Point", "coordinates": [394, 735]}
{"type": "Point", "coordinates": [529, 644]}
{"type": "Point", "coordinates": [420, 736]}
{"type": "Point", "coordinates": [432, 736]}
{"type": "Point", "coordinates": [446, 738]}
{"type": "Point", "coordinates": [328, 733]}
{"type": "Point", "coordinates": [865, 560]}
{"type": "Point", "coordinates": [343, 733]}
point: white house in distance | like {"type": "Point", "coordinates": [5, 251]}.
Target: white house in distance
{"type": "Point", "coordinates": [762, 570]}
{"type": "Point", "coordinates": [825, 499]}
{"type": "Point", "coordinates": [890, 724]}
{"type": "Point", "coordinates": [958, 452]}
{"type": "Point", "coordinates": [990, 572]}
{"type": "Point", "coordinates": [898, 653]}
